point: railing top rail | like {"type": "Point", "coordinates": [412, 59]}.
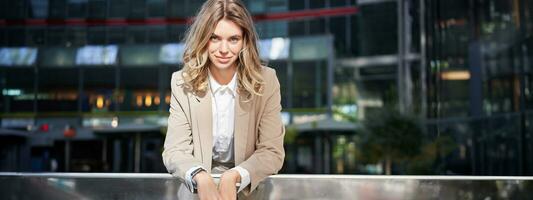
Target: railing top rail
{"type": "Point", "coordinates": [279, 176]}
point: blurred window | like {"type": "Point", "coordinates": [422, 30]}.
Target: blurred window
{"type": "Point", "coordinates": [96, 35]}
{"type": "Point", "coordinates": [337, 27]}
{"type": "Point", "coordinates": [56, 36]}
{"type": "Point", "coordinates": [137, 9]}
{"type": "Point", "coordinates": [274, 49]}
{"type": "Point", "coordinates": [139, 89]}
{"type": "Point", "coordinates": [77, 8]}
{"type": "Point", "coordinates": [36, 36]}
{"type": "Point", "coordinates": [118, 8]}
{"type": "Point", "coordinates": [76, 36]}
{"type": "Point", "coordinates": [193, 6]}
{"type": "Point", "coordinates": [317, 4]}
{"type": "Point", "coordinates": [58, 94]}
{"type": "Point", "coordinates": [57, 57]}
{"type": "Point", "coordinates": [15, 9]}
{"type": "Point", "coordinates": [157, 34]}
{"type": "Point", "coordinates": [136, 35]}
{"type": "Point", "coordinates": [99, 89]}
{"type": "Point", "coordinates": [317, 26]}
{"type": "Point", "coordinates": [257, 6]}
{"type": "Point", "coordinates": [18, 92]}
{"type": "Point", "coordinates": [98, 9]}
{"type": "Point", "coordinates": [171, 53]}
{"type": "Point", "coordinates": [176, 8]}
{"type": "Point", "coordinates": [139, 55]}
{"type": "Point", "coordinates": [338, 3]}
{"type": "Point", "coordinates": [156, 8]}
{"type": "Point", "coordinates": [378, 29]}
{"type": "Point", "coordinates": [297, 28]}
{"type": "Point", "coordinates": [270, 29]}
{"type": "Point", "coordinates": [57, 9]}
{"type": "Point", "coordinates": [309, 84]}
{"type": "Point", "coordinates": [298, 5]}
{"type": "Point", "coordinates": [97, 55]}
{"type": "Point", "coordinates": [3, 10]}
{"type": "Point", "coordinates": [16, 36]}
{"type": "Point", "coordinates": [277, 5]}
{"type": "Point", "coordinates": [38, 9]}
{"type": "Point", "coordinates": [309, 48]}
{"type": "Point", "coordinates": [3, 36]}
{"type": "Point", "coordinates": [176, 33]}
{"type": "Point", "coordinates": [22, 56]}
{"type": "Point", "coordinates": [116, 34]}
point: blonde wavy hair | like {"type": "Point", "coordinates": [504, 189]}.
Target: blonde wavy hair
{"type": "Point", "coordinates": [195, 56]}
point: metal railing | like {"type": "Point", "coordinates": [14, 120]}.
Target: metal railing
{"type": "Point", "coordinates": [59, 186]}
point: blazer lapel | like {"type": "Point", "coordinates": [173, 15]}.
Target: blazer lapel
{"type": "Point", "coordinates": [242, 118]}
{"type": "Point", "coordinates": [204, 123]}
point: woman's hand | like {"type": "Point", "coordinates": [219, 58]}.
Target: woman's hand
{"type": "Point", "coordinates": [227, 185]}
{"type": "Point", "coordinates": [207, 189]}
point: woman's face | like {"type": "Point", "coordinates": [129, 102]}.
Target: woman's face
{"type": "Point", "coordinates": [225, 44]}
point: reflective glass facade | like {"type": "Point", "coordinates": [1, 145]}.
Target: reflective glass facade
{"type": "Point", "coordinates": [60, 28]}
{"type": "Point", "coordinates": [459, 69]}
{"type": "Point", "coordinates": [478, 70]}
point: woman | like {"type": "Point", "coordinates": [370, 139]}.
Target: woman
{"type": "Point", "coordinates": [225, 107]}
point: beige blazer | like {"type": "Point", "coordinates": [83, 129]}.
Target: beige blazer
{"type": "Point", "coordinates": [258, 136]}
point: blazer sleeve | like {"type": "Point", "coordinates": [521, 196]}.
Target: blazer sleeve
{"type": "Point", "coordinates": [269, 154]}
{"type": "Point", "coordinates": [178, 148]}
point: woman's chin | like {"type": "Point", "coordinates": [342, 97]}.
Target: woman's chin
{"type": "Point", "coordinates": [222, 66]}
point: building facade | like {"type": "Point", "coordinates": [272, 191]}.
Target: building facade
{"type": "Point", "coordinates": [102, 68]}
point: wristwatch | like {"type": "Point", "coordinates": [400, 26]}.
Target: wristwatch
{"type": "Point", "coordinates": [193, 173]}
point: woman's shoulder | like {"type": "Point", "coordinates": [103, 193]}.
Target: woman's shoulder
{"type": "Point", "coordinates": [270, 79]}
{"type": "Point", "coordinates": [177, 78]}
{"type": "Point", "coordinates": [178, 84]}
{"type": "Point", "coordinates": [268, 73]}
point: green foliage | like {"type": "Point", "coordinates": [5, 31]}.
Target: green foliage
{"type": "Point", "coordinates": [393, 138]}
{"type": "Point", "coordinates": [290, 135]}
{"type": "Point", "coordinates": [430, 152]}
{"type": "Point", "coordinates": [388, 134]}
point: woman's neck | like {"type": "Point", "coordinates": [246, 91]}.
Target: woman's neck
{"type": "Point", "coordinates": [222, 76]}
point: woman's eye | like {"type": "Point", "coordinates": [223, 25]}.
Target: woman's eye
{"type": "Point", "coordinates": [234, 40]}
{"type": "Point", "coordinates": [214, 38]}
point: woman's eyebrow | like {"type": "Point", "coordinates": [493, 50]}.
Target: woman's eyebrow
{"type": "Point", "coordinates": [233, 36]}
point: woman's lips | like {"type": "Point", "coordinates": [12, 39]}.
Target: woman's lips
{"type": "Point", "coordinates": [223, 60]}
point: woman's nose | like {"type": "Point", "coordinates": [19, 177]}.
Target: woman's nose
{"type": "Point", "coordinates": [223, 48]}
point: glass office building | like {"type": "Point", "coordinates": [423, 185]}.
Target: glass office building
{"type": "Point", "coordinates": [478, 81]}
{"type": "Point", "coordinates": [101, 69]}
